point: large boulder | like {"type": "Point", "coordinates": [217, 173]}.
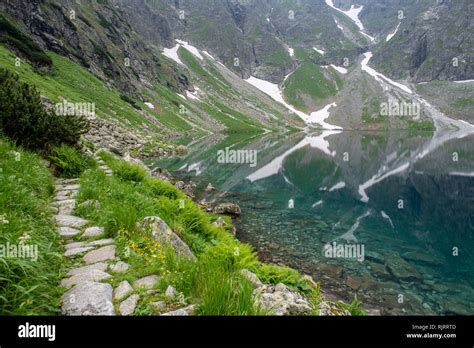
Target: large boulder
{"type": "Point", "coordinates": [164, 235]}
{"type": "Point", "coordinates": [281, 300]}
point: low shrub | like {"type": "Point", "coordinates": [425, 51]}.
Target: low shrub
{"type": "Point", "coordinates": [69, 162]}
{"type": "Point", "coordinates": [274, 274]}
{"type": "Point", "coordinates": [23, 118]}
{"type": "Point", "coordinates": [130, 172]}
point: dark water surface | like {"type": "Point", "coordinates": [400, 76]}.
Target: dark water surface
{"type": "Point", "coordinates": [407, 198]}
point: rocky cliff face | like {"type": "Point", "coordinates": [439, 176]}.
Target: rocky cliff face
{"type": "Point", "coordinates": [434, 42]}
{"type": "Point", "coordinates": [96, 36]}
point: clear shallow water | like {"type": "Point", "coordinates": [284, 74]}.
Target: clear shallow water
{"type": "Point", "coordinates": [407, 198]}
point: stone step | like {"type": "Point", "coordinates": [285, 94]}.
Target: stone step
{"type": "Point", "coordinates": [93, 275]}
{"type": "Point", "coordinates": [77, 251]}
{"type": "Point", "coordinates": [88, 298]}
{"type": "Point", "coordinates": [101, 266]}
{"type": "Point", "coordinates": [68, 232]}
{"type": "Point", "coordinates": [103, 254]}
{"type": "Point", "coordinates": [70, 221]}
{"type": "Point", "coordinates": [93, 232]}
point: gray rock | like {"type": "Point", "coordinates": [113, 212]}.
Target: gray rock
{"type": "Point", "coordinates": [327, 308]}
{"type": "Point", "coordinates": [159, 305]}
{"type": "Point", "coordinates": [209, 188]}
{"type": "Point", "coordinates": [97, 266]}
{"type": "Point", "coordinates": [88, 298]}
{"type": "Point", "coordinates": [164, 235]}
{"type": "Point", "coordinates": [102, 254]}
{"type": "Point", "coordinates": [93, 275]}
{"type": "Point", "coordinates": [72, 187]}
{"type": "Point", "coordinates": [74, 245]}
{"type": "Point", "coordinates": [101, 242]}
{"type": "Point", "coordinates": [189, 310]}
{"type": "Point", "coordinates": [76, 251]}
{"type": "Point", "coordinates": [228, 209]}
{"type": "Point", "coordinates": [170, 292]}
{"type": "Point", "coordinates": [122, 290]}
{"type": "Point", "coordinates": [280, 300]}
{"type": "Point", "coordinates": [128, 306]}
{"type": "Point", "coordinates": [68, 232]}
{"type": "Point", "coordinates": [70, 221]}
{"type": "Point", "coordinates": [93, 232]}
{"type": "Point", "coordinates": [146, 282]}
{"type": "Point", "coordinates": [251, 277]}
{"type": "Point", "coordinates": [119, 267]}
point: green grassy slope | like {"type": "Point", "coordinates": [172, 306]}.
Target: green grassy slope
{"type": "Point", "coordinates": [28, 286]}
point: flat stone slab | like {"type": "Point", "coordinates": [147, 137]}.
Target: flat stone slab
{"type": "Point", "coordinates": [68, 232]}
{"type": "Point", "coordinates": [75, 245]}
{"type": "Point", "coordinates": [146, 282]}
{"type": "Point", "coordinates": [102, 254]}
{"type": "Point", "coordinates": [65, 195]}
{"type": "Point", "coordinates": [128, 306]}
{"type": "Point", "coordinates": [67, 202]}
{"type": "Point", "coordinates": [122, 290]}
{"type": "Point", "coordinates": [77, 251]}
{"type": "Point", "coordinates": [72, 187]}
{"type": "Point", "coordinates": [68, 181]}
{"type": "Point", "coordinates": [88, 298]}
{"type": "Point", "coordinates": [119, 267]}
{"type": "Point", "coordinates": [93, 232]}
{"type": "Point", "coordinates": [101, 266]}
{"type": "Point", "coordinates": [101, 242]}
{"type": "Point", "coordinates": [93, 275]}
{"type": "Point", "coordinates": [70, 221]}
{"type": "Point", "coordinates": [189, 310]}
{"type": "Point", "coordinates": [65, 210]}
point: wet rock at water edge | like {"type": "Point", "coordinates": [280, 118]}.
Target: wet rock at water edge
{"type": "Point", "coordinates": [209, 188]}
{"type": "Point", "coordinates": [228, 209]}
{"type": "Point", "coordinates": [280, 300]}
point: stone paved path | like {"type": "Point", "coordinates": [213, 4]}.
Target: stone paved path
{"type": "Point", "coordinates": [86, 293]}
{"type": "Point", "coordinates": [95, 260]}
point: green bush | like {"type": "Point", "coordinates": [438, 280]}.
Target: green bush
{"type": "Point", "coordinates": [23, 118]}
{"type": "Point", "coordinates": [274, 274]}
{"type": "Point", "coordinates": [130, 172]}
{"type": "Point", "coordinates": [69, 162]}
{"type": "Point", "coordinates": [223, 291]}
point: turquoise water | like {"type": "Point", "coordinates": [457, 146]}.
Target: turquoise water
{"type": "Point", "coordinates": [406, 198]}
